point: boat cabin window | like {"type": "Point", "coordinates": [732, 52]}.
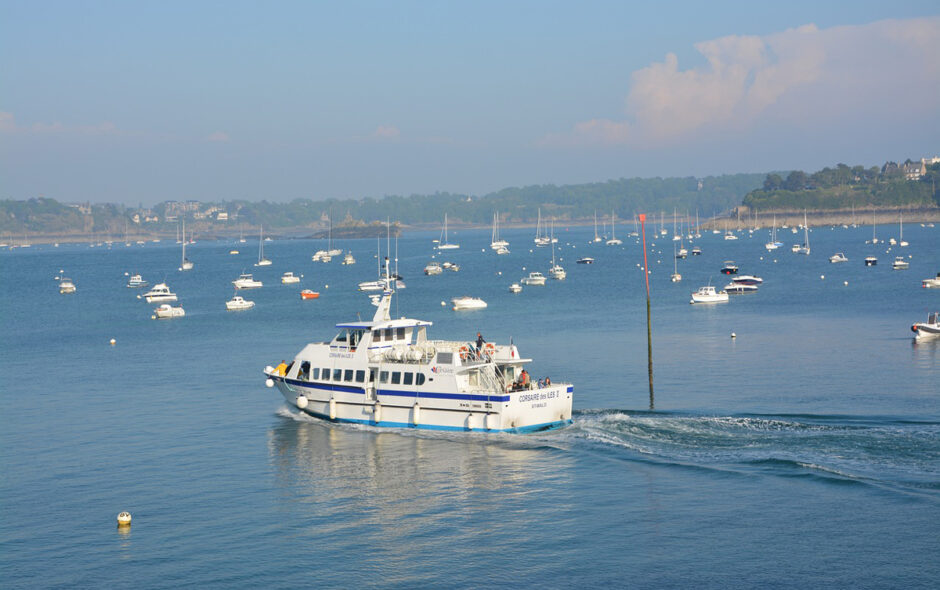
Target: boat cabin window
{"type": "Point", "coordinates": [399, 334]}
{"type": "Point", "coordinates": [419, 379]}
{"type": "Point", "coordinates": [348, 376]}
{"type": "Point", "coordinates": [377, 336]}
{"type": "Point", "coordinates": [342, 336]}
{"type": "Point", "coordinates": [389, 333]}
{"type": "Point", "coordinates": [445, 358]}
{"type": "Point", "coordinates": [337, 374]}
{"type": "Point", "coordinates": [383, 376]}
{"type": "Point", "coordinates": [360, 376]}
{"type": "Point", "coordinates": [509, 373]}
{"type": "Point", "coordinates": [473, 377]}
{"type": "Point", "coordinates": [316, 373]}
{"type": "Point", "coordinates": [396, 377]}
{"type": "Point", "coordinates": [355, 336]}
{"type": "Point", "coordinates": [409, 379]}
{"type": "Point", "coordinates": [325, 374]}
{"type": "Point", "coordinates": [304, 371]}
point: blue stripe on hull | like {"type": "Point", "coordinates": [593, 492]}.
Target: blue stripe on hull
{"type": "Point", "coordinates": [383, 424]}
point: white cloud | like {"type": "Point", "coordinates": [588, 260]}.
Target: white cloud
{"type": "Point", "coordinates": [8, 124]}
{"type": "Point", "coordinates": [804, 73]}
{"type": "Point", "coordinates": [218, 137]}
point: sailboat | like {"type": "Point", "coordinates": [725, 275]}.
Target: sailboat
{"type": "Point", "coordinates": [804, 249]}
{"type": "Point", "coordinates": [597, 238]}
{"type": "Point", "coordinates": [676, 277]}
{"type": "Point", "coordinates": [444, 244]}
{"type": "Point", "coordinates": [675, 234]}
{"type": "Point", "coordinates": [495, 242]}
{"type": "Point", "coordinates": [613, 241]}
{"type": "Point", "coordinates": [185, 264]}
{"type": "Point", "coordinates": [683, 253]}
{"type": "Point", "coordinates": [241, 235]}
{"type": "Point", "coordinates": [262, 261]}
{"type": "Point", "coordinates": [330, 250]}
{"type": "Point", "coordinates": [540, 240]}
{"type": "Point", "coordinates": [557, 271]}
{"type": "Point", "coordinates": [901, 230]}
{"type": "Point", "coordinates": [773, 244]}
{"type": "Point", "coordinates": [874, 239]}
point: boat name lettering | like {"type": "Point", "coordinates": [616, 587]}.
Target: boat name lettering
{"type": "Point", "coordinates": [341, 355]}
{"type": "Point", "coordinates": [531, 397]}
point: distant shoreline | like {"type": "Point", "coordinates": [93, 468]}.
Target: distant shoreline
{"type": "Point", "coordinates": [744, 221]}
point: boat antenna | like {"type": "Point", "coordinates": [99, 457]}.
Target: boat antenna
{"type": "Point", "coordinates": [649, 331]}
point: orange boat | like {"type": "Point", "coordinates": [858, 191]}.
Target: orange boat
{"type": "Point", "coordinates": [308, 294]}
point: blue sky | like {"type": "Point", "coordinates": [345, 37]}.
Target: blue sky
{"type": "Point", "coordinates": [143, 102]}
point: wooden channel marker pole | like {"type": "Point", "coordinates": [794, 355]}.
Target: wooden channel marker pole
{"type": "Point", "coordinates": [649, 331]}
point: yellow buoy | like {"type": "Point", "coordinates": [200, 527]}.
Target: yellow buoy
{"type": "Point", "coordinates": [124, 519]}
{"type": "Point", "coordinates": [113, 342]}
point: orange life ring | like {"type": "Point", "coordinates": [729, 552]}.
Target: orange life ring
{"type": "Point", "coordinates": [489, 349]}
{"type": "Point", "coordinates": [464, 352]}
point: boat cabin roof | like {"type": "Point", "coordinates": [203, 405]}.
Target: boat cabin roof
{"type": "Point", "coordinates": [373, 325]}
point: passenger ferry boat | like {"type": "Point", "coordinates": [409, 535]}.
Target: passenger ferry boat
{"type": "Point", "coordinates": [386, 372]}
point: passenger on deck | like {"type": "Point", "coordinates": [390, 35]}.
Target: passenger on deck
{"type": "Point", "coordinates": [480, 343]}
{"type": "Point", "coordinates": [281, 368]}
{"type": "Point", "coordinates": [524, 381]}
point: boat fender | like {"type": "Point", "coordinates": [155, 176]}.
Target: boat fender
{"type": "Point", "coordinates": [491, 421]}
{"type": "Point", "coordinates": [416, 413]}
{"type": "Point", "coordinates": [470, 421]}
{"type": "Point", "coordinates": [464, 352]}
{"type": "Point", "coordinates": [269, 382]}
{"type": "Point", "coordinates": [302, 401]}
{"type": "Point", "coordinates": [332, 409]}
{"type": "Point", "coordinates": [377, 412]}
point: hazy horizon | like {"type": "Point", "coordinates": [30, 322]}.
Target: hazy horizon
{"type": "Point", "coordinates": [129, 103]}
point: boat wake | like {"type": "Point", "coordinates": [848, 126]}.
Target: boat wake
{"type": "Point", "coordinates": [838, 449]}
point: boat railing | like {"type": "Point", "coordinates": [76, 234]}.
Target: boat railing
{"type": "Point", "coordinates": [412, 353]}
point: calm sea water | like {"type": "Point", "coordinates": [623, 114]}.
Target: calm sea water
{"type": "Point", "coordinates": [804, 452]}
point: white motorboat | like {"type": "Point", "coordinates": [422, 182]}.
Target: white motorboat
{"type": "Point", "coordinates": [136, 282]}
{"type": "Point", "coordinates": [747, 280]}
{"type": "Point", "coordinates": [247, 281]}
{"type": "Point", "coordinates": [730, 235]}
{"type": "Point", "coordinates": [933, 283]}
{"type": "Point", "coordinates": [515, 288]}
{"type": "Point", "coordinates": [167, 311]}
{"type": "Point", "coordinates": [443, 244]}
{"type": "Point", "coordinates": [66, 286]}
{"type": "Point", "coordinates": [289, 278]}
{"type": "Point", "coordinates": [451, 266]}
{"type": "Point", "coordinates": [696, 251]}
{"type": "Point", "coordinates": [371, 285]}
{"type": "Point", "coordinates": [585, 260]}
{"type": "Point", "coordinates": [388, 373]}
{"type": "Point", "coordinates": [262, 261]}
{"type": "Point", "coordinates": [321, 256]}
{"type": "Point", "coordinates": [433, 268]}
{"type": "Point", "coordinates": [729, 268]}
{"type": "Point", "coordinates": [348, 258]}
{"type": "Point", "coordinates": [467, 303]}
{"type": "Point", "coordinates": [534, 278]}
{"type": "Point", "coordinates": [238, 303]}
{"type": "Point", "coordinates": [707, 294]}
{"type": "Point", "coordinates": [159, 292]}
{"type": "Point", "coordinates": [928, 329]}
{"type": "Point", "coordinates": [871, 261]}
{"type": "Point", "coordinates": [838, 257]}
{"type": "Point", "coordinates": [899, 263]}
{"type": "Point", "coordinates": [739, 288]}
{"type": "Point", "coordinates": [502, 250]}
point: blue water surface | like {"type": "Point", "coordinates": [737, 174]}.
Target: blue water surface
{"type": "Point", "coordinates": [805, 452]}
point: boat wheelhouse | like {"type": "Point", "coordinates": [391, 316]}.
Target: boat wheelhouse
{"type": "Point", "coordinates": [729, 268]}
{"type": "Point", "coordinates": [387, 372]}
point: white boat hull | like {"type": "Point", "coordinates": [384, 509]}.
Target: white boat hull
{"type": "Point", "coordinates": [518, 411]}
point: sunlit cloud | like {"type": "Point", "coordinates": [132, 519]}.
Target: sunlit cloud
{"type": "Point", "coordinates": [218, 137]}
{"type": "Point", "coordinates": [805, 73]}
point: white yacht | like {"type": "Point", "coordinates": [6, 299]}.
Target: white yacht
{"type": "Point", "coordinates": [387, 372]}
{"type": "Point", "coordinates": [136, 282]}
{"type": "Point", "coordinates": [707, 294]}
{"type": "Point", "coordinates": [496, 243]}
{"type": "Point", "coordinates": [534, 278]}
{"type": "Point", "coordinates": [167, 311]}
{"type": "Point", "coordinates": [557, 271]}
{"type": "Point", "coordinates": [238, 303]}
{"type": "Point", "coordinates": [443, 244]}
{"type": "Point", "coordinates": [66, 286]}
{"type": "Point", "coordinates": [933, 283]}
{"type": "Point", "coordinates": [247, 281]}
{"type": "Point", "coordinates": [540, 240]}
{"type": "Point", "coordinates": [467, 303]}
{"type": "Point", "coordinates": [348, 258]}
{"type": "Point", "coordinates": [159, 292]}
{"type": "Point", "coordinates": [289, 278]}
{"type": "Point", "coordinates": [928, 329]}
{"type": "Point", "coordinates": [899, 263]}
{"type": "Point", "coordinates": [262, 261]}
{"type": "Point", "coordinates": [739, 288]}
{"type": "Point", "coordinates": [433, 268]}
{"type": "Point", "coordinates": [838, 257]}
{"type": "Point", "coordinates": [515, 288]}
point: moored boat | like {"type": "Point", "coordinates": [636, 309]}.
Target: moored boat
{"type": "Point", "coordinates": [747, 280]}
{"type": "Point", "coordinates": [388, 373]}
{"type": "Point", "coordinates": [66, 286]}
{"type": "Point", "coordinates": [515, 288]}
{"type": "Point", "coordinates": [167, 311]}
{"type": "Point", "coordinates": [899, 263]}
{"type": "Point", "coordinates": [838, 257]}
{"type": "Point", "coordinates": [708, 294]}
{"type": "Point", "coordinates": [433, 268]}
{"type": "Point", "coordinates": [308, 294]}
{"type": "Point", "coordinates": [247, 281]}
{"type": "Point", "coordinates": [159, 292]}
{"type": "Point", "coordinates": [136, 282]}
{"type": "Point", "coordinates": [585, 260]}
{"type": "Point", "coordinates": [467, 303]}
{"type": "Point", "coordinates": [289, 278]}
{"type": "Point", "coordinates": [729, 268]}
{"type": "Point", "coordinates": [928, 329]}
{"type": "Point", "coordinates": [238, 303]}
{"type": "Point", "coordinates": [740, 288]}
{"type": "Point", "coordinates": [933, 283]}
{"type": "Point", "coordinates": [534, 278]}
